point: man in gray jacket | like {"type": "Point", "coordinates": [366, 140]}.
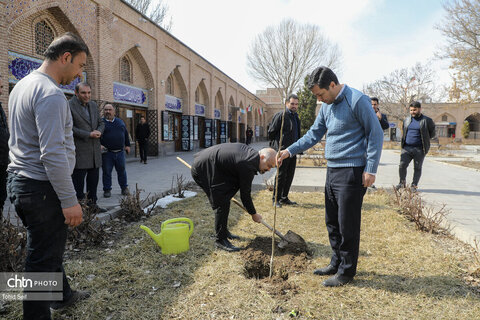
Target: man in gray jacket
{"type": "Point", "coordinates": [87, 129]}
{"type": "Point", "coordinates": [42, 155]}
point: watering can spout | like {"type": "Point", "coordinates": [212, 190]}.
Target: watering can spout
{"type": "Point", "coordinates": [156, 237]}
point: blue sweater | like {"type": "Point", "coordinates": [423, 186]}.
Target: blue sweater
{"type": "Point", "coordinates": [354, 137]}
{"type": "Point", "coordinates": [115, 135]}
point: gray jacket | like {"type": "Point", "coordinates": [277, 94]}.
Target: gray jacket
{"type": "Point", "coordinates": [88, 154]}
{"type": "Point", "coordinates": [427, 131]}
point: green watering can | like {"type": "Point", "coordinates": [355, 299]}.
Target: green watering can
{"type": "Point", "coordinates": [174, 235]}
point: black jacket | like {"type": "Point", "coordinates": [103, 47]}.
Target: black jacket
{"type": "Point", "coordinates": [223, 169]}
{"type": "Point", "coordinates": [427, 131]}
{"type": "Point", "coordinates": [384, 122]}
{"type": "Point", "coordinates": [142, 132]}
{"type": "Point", "coordinates": [4, 135]}
{"type": "Point", "coordinates": [288, 126]}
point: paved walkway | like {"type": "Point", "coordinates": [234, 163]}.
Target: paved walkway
{"type": "Point", "coordinates": [457, 187]}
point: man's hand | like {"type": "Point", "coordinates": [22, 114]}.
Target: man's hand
{"type": "Point", "coordinates": [95, 134]}
{"type": "Point", "coordinates": [368, 179]}
{"type": "Point", "coordinates": [379, 115]}
{"type": "Point", "coordinates": [127, 150]}
{"type": "Point", "coordinates": [73, 215]}
{"type": "Point", "coordinates": [284, 154]}
{"type": "Point", "coordinates": [256, 217]}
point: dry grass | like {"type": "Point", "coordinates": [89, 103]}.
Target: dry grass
{"type": "Point", "coordinates": [402, 273]}
{"type": "Point", "coordinates": [466, 163]}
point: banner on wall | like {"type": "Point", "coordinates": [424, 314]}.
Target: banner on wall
{"type": "Point", "coordinates": [217, 113]}
{"type": "Point", "coordinates": [173, 103]}
{"type": "Point", "coordinates": [124, 93]}
{"type": "Point", "coordinates": [208, 132]}
{"type": "Point", "coordinates": [199, 110]}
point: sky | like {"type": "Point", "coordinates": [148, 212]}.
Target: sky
{"type": "Point", "coordinates": [375, 37]}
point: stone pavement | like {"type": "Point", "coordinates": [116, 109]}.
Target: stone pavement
{"type": "Point", "coordinates": [457, 187]}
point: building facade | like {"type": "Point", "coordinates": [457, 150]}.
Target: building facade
{"type": "Point", "coordinates": [137, 66]}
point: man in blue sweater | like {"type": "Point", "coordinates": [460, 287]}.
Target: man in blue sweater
{"type": "Point", "coordinates": [353, 148]}
{"type": "Point", "coordinates": [115, 142]}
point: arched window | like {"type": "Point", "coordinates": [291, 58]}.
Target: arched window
{"type": "Point", "coordinates": [43, 37]}
{"type": "Point", "coordinates": [170, 85]}
{"type": "Point", "coordinates": [197, 95]}
{"type": "Point", "coordinates": [444, 117]}
{"type": "Point", "coordinates": [125, 70]}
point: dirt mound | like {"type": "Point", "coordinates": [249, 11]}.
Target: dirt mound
{"type": "Point", "coordinates": [287, 260]}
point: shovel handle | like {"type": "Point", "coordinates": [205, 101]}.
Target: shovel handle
{"type": "Point", "coordinates": [263, 222]}
{"type": "Point", "coordinates": [241, 206]}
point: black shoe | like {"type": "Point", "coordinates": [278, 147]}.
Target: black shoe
{"type": "Point", "coordinates": [279, 205]}
{"type": "Point", "coordinates": [326, 270]}
{"type": "Point", "coordinates": [98, 209]}
{"type": "Point", "coordinates": [232, 236]}
{"type": "Point", "coordinates": [399, 186]}
{"type": "Point", "coordinates": [107, 194]}
{"type": "Point", "coordinates": [337, 281]}
{"type": "Point", "coordinates": [76, 296]}
{"type": "Point", "coordinates": [413, 188]}
{"type": "Point", "coordinates": [125, 192]}
{"type": "Point", "coordinates": [288, 202]}
{"type": "Point", "coordinates": [226, 245]}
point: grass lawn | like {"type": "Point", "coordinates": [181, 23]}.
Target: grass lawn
{"type": "Point", "coordinates": [402, 273]}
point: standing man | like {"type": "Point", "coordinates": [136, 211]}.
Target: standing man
{"type": "Point", "coordinates": [115, 143]}
{"type": "Point", "coordinates": [42, 154]}
{"type": "Point", "coordinates": [221, 171]}
{"type": "Point", "coordinates": [87, 130]}
{"type": "Point", "coordinates": [4, 135]}
{"type": "Point", "coordinates": [418, 129]}
{"type": "Point", "coordinates": [353, 148]}
{"type": "Point", "coordinates": [291, 133]}
{"type": "Point", "coordinates": [249, 135]}
{"type": "Point", "coordinates": [381, 117]}
{"type": "Point", "coordinates": [142, 132]}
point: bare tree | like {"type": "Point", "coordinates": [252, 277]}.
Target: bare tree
{"type": "Point", "coordinates": [461, 27]}
{"type": "Point", "coordinates": [398, 89]}
{"type": "Point", "coordinates": [282, 55]}
{"type": "Point", "coordinates": [155, 10]}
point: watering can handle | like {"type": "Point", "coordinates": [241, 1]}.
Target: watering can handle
{"type": "Point", "coordinates": [179, 220]}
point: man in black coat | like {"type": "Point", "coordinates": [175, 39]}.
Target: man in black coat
{"type": "Point", "coordinates": [142, 132]}
{"type": "Point", "coordinates": [4, 135]}
{"type": "Point", "coordinates": [221, 171]}
{"type": "Point", "coordinates": [290, 133]}
{"type": "Point", "coordinates": [381, 117]}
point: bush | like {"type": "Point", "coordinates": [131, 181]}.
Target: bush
{"type": "Point", "coordinates": [13, 242]}
{"type": "Point", "coordinates": [466, 129]}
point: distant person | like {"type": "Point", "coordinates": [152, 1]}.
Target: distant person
{"type": "Point", "coordinates": [418, 130]}
{"type": "Point", "coordinates": [42, 154]}
{"type": "Point", "coordinates": [221, 171]}
{"type": "Point", "coordinates": [381, 117]}
{"type": "Point", "coordinates": [4, 135]}
{"type": "Point", "coordinates": [249, 134]}
{"type": "Point", "coordinates": [353, 147]}
{"type": "Point", "coordinates": [142, 133]}
{"type": "Point", "coordinates": [290, 134]}
{"type": "Point", "coordinates": [116, 143]}
{"type": "Point", "coordinates": [88, 127]}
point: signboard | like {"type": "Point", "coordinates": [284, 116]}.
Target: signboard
{"type": "Point", "coordinates": [124, 93]}
{"type": "Point", "coordinates": [223, 132]}
{"type": "Point", "coordinates": [230, 116]}
{"type": "Point", "coordinates": [186, 130]}
{"type": "Point", "coordinates": [173, 103]}
{"type": "Point", "coordinates": [208, 133]}
{"type": "Point", "coordinates": [217, 114]}
{"type": "Point", "coordinates": [199, 110]}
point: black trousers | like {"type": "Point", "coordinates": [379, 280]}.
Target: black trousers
{"type": "Point", "coordinates": [78, 178]}
{"type": "Point", "coordinates": [408, 154]}
{"type": "Point", "coordinates": [3, 186]}
{"type": "Point", "coordinates": [343, 206]}
{"type": "Point", "coordinates": [143, 148]}
{"type": "Point", "coordinates": [285, 177]}
{"type": "Point", "coordinates": [221, 212]}
{"type": "Point", "coordinates": [38, 206]}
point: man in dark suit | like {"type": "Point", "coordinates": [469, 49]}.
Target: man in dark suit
{"type": "Point", "coordinates": [221, 171]}
{"type": "Point", "coordinates": [142, 133]}
{"type": "Point", "coordinates": [87, 129]}
{"type": "Point", "coordinates": [381, 116]}
{"type": "Point", "coordinates": [290, 133]}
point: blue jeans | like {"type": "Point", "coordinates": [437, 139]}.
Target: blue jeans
{"type": "Point", "coordinates": [110, 160]}
{"type": "Point", "coordinates": [38, 206]}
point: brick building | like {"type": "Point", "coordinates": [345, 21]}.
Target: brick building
{"type": "Point", "coordinates": [136, 65]}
